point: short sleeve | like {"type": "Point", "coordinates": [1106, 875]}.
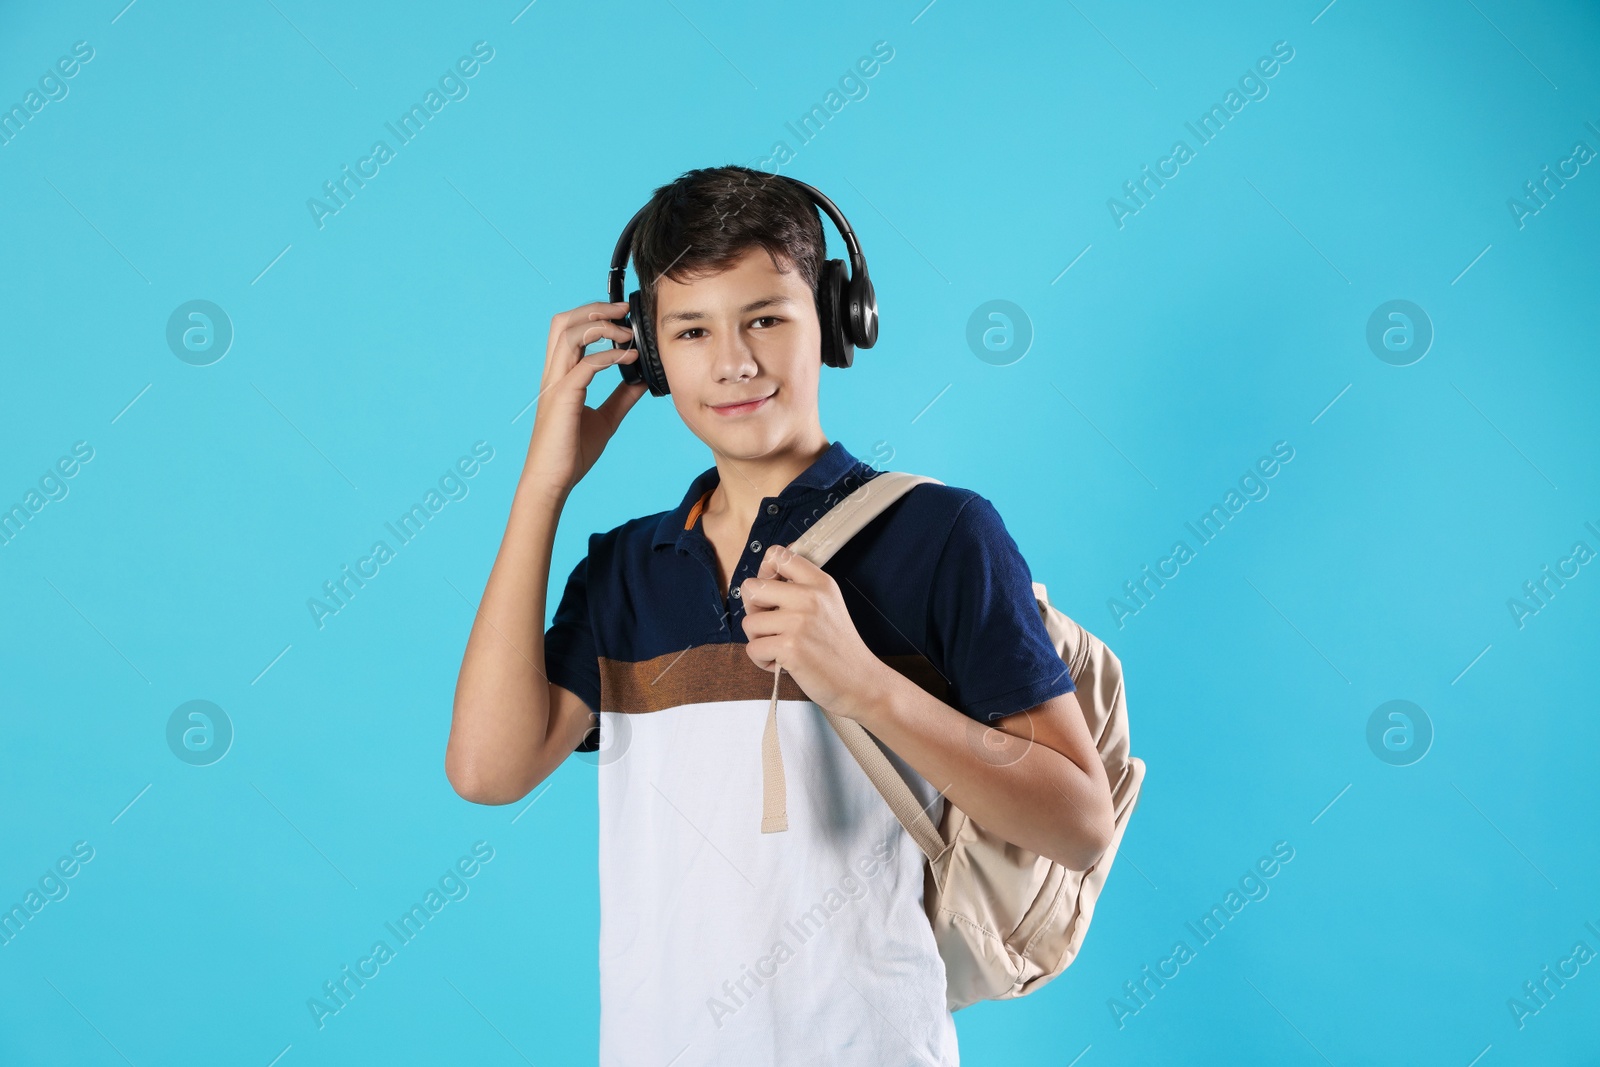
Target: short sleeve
{"type": "Point", "coordinates": [984, 627]}
{"type": "Point", "coordinates": [570, 659]}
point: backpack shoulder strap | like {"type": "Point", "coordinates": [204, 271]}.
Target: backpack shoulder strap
{"type": "Point", "coordinates": [883, 775]}
{"type": "Point", "coordinates": [818, 544]}
{"type": "Point", "coordinates": [849, 516]}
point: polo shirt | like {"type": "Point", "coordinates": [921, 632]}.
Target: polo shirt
{"type": "Point", "coordinates": [721, 944]}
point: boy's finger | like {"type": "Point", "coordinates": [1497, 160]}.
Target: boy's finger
{"type": "Point", "coordinates": [581, 335]}
{"type": "Point", "coordinates": [765, 594]}
{"type": "Point", "coordinates": [562, 321]}
{"type": "Point", "coordinates": [599, 309]}
{"type": "Point", "coordinates": [586, 368]}
{"type": "Point", "coordinates": [781, 561]}
{"type": "Point", "coordinates": [761, 624]}
{"type": "Point", "coordinates": [620, 402]}
{"type": "Point", "coordinates": [756, 650]}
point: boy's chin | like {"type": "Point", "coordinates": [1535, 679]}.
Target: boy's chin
{"type": "Point", "coordinates": [748, 441]}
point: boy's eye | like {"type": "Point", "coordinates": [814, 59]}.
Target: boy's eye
{"type": "Point", "coordinates": [772, 320]}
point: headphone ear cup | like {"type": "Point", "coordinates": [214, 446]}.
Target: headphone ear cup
{"type": "Point", "coordinates": [644, 334]}
{"type": "Point", "coordinates": [863, 312]}
{"type": "Point", "coordinates": [632, 373]}
{"type": "Point", "coordinates": [837, 350]}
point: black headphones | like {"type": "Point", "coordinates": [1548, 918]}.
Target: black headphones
{"type": "Point", "coordinates": [847, 307]}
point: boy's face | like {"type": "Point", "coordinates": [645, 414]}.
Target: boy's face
{"type": "Point", "coordinates": [746, 333]}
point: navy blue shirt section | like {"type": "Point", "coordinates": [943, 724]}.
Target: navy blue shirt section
{"type": "Point", "coordinates": [937, 575]}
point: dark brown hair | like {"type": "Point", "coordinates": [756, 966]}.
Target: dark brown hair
{"type": "Point", "coordinates": [705, 219]}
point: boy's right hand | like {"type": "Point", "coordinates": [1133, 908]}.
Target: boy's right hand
{"type": "Point", "coordinates": [568, 435]}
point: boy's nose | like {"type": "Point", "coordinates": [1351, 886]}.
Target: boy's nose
{"type": "Point", "coordinates": [733, 360]}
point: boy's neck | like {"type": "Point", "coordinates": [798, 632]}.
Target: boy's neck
{"type": "Point", "coordinates": [743, 483]}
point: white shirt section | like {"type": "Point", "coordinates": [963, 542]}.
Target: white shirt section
{"type": "Point", "coordinates": [723, 945]}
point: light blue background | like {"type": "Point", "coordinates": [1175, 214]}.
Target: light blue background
{"type": "Point", "coordinates": [1225, 316]}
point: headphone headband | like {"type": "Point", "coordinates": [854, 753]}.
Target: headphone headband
{"type": "Point", "coordinates": [615, 277]}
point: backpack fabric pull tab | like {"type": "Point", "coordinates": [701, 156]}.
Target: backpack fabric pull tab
{"type": "Point", "coordinates": [774, 798]}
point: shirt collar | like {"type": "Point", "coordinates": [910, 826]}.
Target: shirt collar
{"type": "Point", "coordinates": [824, 473]}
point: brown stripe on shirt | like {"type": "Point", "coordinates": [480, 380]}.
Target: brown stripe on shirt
{"type": "Point", "coordinates": [720, 672]}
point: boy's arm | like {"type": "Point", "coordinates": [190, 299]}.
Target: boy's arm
{"type": "Point", "coordinates": [510, 726]}
{"type": "Point", "coordinates": [1035, 779]}
{"type": "Point", "coordinates": [510, 722]}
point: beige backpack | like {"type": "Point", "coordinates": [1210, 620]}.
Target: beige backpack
{"type": "Point", "coordinates": [1006, 920]}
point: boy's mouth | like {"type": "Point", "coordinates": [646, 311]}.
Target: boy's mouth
{"type": "Point", "coordinates": [742, 407]}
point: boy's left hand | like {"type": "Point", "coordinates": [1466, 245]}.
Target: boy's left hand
{"type": "Point", "coordinates": [795, 615]}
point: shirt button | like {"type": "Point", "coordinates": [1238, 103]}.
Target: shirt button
{"type": "Point", "coordinates": [736, 593]}
{"type": "Point", "coordinates": [772, 509]}
{"type": "Point", "coordinates": [755, 546]}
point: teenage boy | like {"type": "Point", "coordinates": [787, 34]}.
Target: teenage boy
{"type": "Point", "coordinates": [720, 944]}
